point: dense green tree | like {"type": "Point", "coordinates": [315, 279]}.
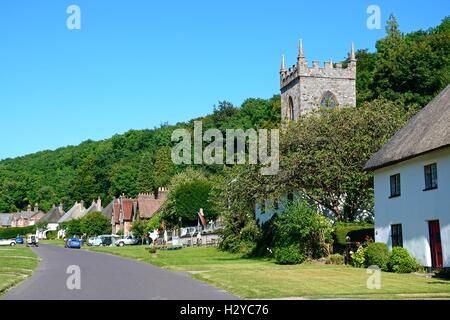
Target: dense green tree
{"type": "Point", "coordinates": [95, 224]}
{"type": "Point", "coordinates": [72, 228]}
{"type": "Point", "coordinates": [323, 154]}
{"type": "Point", "coordinates": [189, 192]}
{"type": "Point", "coordinates": [146, 179]}
{"type": "Point", "coordinates": [85, 186]}
{"type": "Point", "coordinates": [163, 167]}
{"type": "Point", "coordinates": [124, 179]}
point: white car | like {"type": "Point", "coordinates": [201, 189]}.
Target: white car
{"type": "Point", "coordinates": [5, 242]}
{"type": "Point", "coordinates": [128, 241]}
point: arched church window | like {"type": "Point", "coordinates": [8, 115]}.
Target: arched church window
{"type": "Point", "coordinates": [291, 109]}
{"type": "Point", "coordinates": [328, 100]}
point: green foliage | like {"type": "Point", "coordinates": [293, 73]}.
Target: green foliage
{"type": "Point", "coordinates": [9, 233]}
{"type": "Point", "coordinates": [163, 168]}
{"type": "Point", "coordinates": [336, 259]}
{"type": "Point", "coordinates": [400, 261]}
{"type": "Point", "coordinates": [411, 68]}
{"type": "Point", "coordinates": [290, 254]}
{"type": "Point", "coordinates": [377, 254]}
{"type": "Point", "coordinates": [72, 228]}
{"type": "Point", "coordinates": [358, 257]}
{"type": "Point", "coordinates": [154, 223]}
{"type": "Point", "coordinates": [357, 232]}
{"type": "Point", "coordinates": [189, 192]}
{"type": "Point", "coordinates": [95, 224]}
{"type": "Point", "coordinates": [146, 179]}
{"type": "Point", "coordinates": [138, 228]}
{"type": "Point", "coordinates": [51, 235]}
{"type": "Point", "coordinates": [303, 226]}
{"type": "Point", "coordinates": [324, 155]}
{"type": "Point", "coordinates": [41, 225]}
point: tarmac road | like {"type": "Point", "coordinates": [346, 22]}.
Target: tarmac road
{"type": "Point", "coordinates": [107, 277]}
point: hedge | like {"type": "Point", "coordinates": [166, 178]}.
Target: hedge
{"type": "Point", "coordinates": [10, 233]}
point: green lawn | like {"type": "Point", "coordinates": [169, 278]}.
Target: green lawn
{"type": "Point", "coordinates": [16, 264]}
{"type": "Point", "coordinates": [263, 279]}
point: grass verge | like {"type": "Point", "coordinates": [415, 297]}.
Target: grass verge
{"type": "Point", "coordinates": [263, 279]}
{"type": "Point", "coordinates": [16, 264]}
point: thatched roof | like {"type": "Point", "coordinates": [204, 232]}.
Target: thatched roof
{"type": "Point", "coordinates": [427, 131]}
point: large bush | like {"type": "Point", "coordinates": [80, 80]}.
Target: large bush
{"type": "Point", "coordinates": [301, 227]}
{"type": "Point", "coordinates": [244, 242]}
{"type": "Point", "coordinates": [95, 224]}
{"type": "Point", "coordinates": [400, 261]}
{"type": "Point", "coordinates": [377, 254]}
{"type": "Point", "coordinates": [189, 192]}
{"type": "Point", "coordinates": [291, 254]}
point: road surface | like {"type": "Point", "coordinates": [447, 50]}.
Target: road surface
{"type": "Point", "coordinates": [105, 277]}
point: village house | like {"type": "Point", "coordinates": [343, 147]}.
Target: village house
{"type": "Point", "coordinates": [412, 186]}
{"type": "Point", "coordinates": [5, 220]}
{"type": "Point", "coordinates": [51, 218]}
{"type": "Point", "coordinates": [78, 211]}
{"type": "Point", "coordinates": [124, 211]}
{"type": "Point", "coordinates": [21, 219]}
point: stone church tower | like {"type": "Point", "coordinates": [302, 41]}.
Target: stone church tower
{"type": "Point", "coordinates": [304, 88]}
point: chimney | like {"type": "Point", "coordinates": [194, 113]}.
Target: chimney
{"type": "Point", "coordinates": [29, 208]}
{"type": "Point", "coordinates": [61, 207]}
{"type": "Point", "coordinates": [36, 208]}
{"type": "Point", "coordinates": [99, 204]}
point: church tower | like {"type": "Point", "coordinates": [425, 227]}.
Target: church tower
{"type": "Point", "coordinates": [304, 87]}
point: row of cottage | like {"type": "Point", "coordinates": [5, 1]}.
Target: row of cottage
{"type": "Point", "coordinates": [122, 212]}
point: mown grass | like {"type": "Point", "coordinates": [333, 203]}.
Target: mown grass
{"type": "Point", "coordinates": [16, 264]}
{"type": "Point", "coordinates": [263, 279]}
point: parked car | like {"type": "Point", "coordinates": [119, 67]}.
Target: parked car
{"type": "Point", "coordinates": [91, 241]}
{"type": "Point", "coordinates": [32, 241]}
{"type": "Point", "coordinates": [73, 243]}
{"type": "Point", "coordinates": [6, 242]}
{"type": "Point", "coordinates": [108, 240]}
{"type": "Point", "coordinates": [128, 241]}
{"type": "Point", "coordinates": [19, 240]}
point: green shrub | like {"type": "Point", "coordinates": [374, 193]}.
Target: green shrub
{"type": "Point", "coordinates": [377, 254]}
{"type": "Point", "coordinates": [10, 233]}
{"type": "Point", "coordinates": [400, 261]}
{"type": "Point", "coordinates": [289, 255]}
{"type": "Point", "coordinates": [358, 258]}
{"type": "Point", "coordinates": [51, 235]}
{"type": "Point", "coordinates": [337, 259]}
{"type": "Point", "coordinates": [356, 231]}
{"type": "Point", "coordinates": [302, 225]}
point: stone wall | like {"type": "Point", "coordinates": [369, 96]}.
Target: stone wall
{"type": "Point", "coordinates": [306, 85]}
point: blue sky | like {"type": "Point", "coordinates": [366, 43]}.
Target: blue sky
{"type": "Point", "coordinates": [136, 64]}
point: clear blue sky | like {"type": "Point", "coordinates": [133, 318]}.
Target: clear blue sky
{"type": "Point", "coordinates": [135, 64]}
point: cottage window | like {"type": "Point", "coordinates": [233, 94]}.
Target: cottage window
{"type": "Point", "coordinates": [397, 235]}
{"type": "Point", "coordinates": [431, 176]}
{"type": "Point", "coordinates": [395, 185]}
